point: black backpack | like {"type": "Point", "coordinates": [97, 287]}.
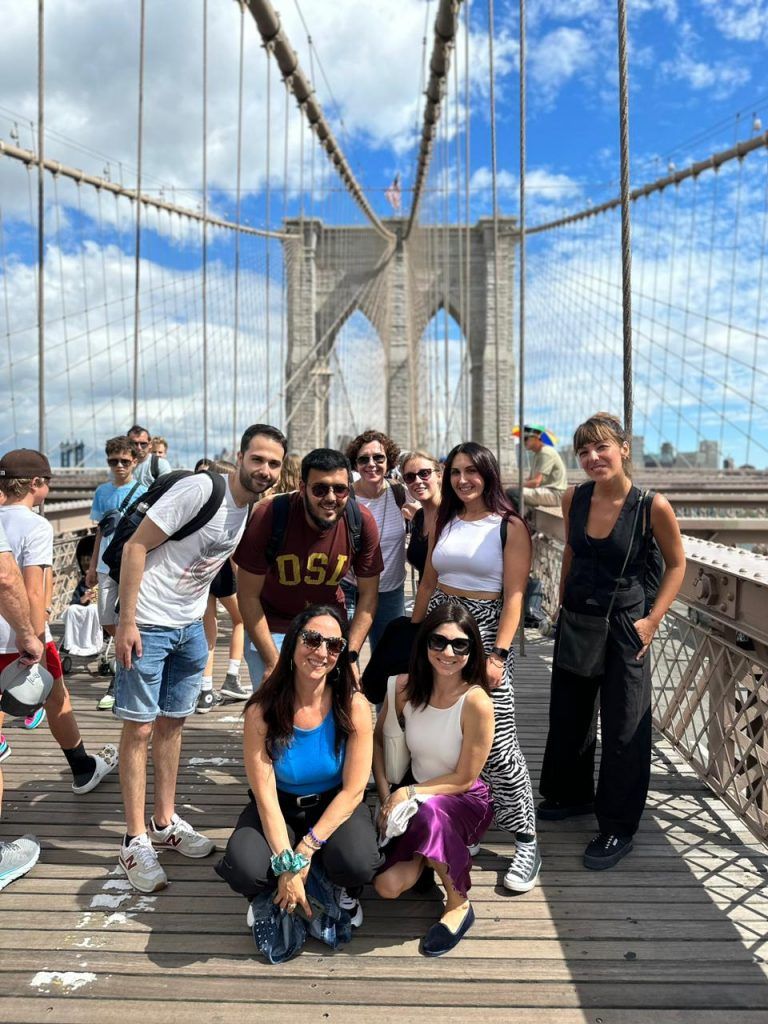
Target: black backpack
{"type": "Point", "coordinates": [653, 561]}
{"type": "Point", "coordinates": [281, 507]}
{"type": "Point", "coordinates": [134, 515]}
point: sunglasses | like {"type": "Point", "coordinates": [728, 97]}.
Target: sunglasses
{"type": "Point", "coordinates": [379, 459]}
{"type": "Point", "coordinates": [313, 640]}
{"type": "Point", "coordinates": [119, 462]}
{"type": "Point", "coordinates": [461, 645]}
{"type": "Point", "coordinates": [339, 490]}
{"type": "Point", "coordinates": [422, 474]}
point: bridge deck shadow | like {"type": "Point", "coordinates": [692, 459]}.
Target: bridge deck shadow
{"type": "Point", "coordinates": [676, 933]}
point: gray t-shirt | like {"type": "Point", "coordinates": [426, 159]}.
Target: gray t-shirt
{"type": "Point", "coordinates": [143, 472]}
{"type": "Point", "coordinates": [548, 463]}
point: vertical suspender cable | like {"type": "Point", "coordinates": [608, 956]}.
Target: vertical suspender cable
{"type": "Point", "coordinates": [626, 233]}
{"type": "Point", "coordinates": [521, 296]}
{"type": "Point", "coordinates": [469, 425]}
{"type": "Point", "coordinates": [41, 439]}
{"type": "Point", "coordinates": [204, 297]}
{"type": "Point", "coordinates": [137, 245]}
{"type": "Point", "coordinates": [268, 215]}
{"type": "Point", "coordinates": [238, 197]}
{"type": "Point", "coordinates": [495, 194]}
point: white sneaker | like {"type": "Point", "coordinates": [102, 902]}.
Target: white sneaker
{"type": "Point", "coordinates": [139, 861]}
{"type": "Point", "coordinates": [17, 858]}
{"type": "Point", "coordinates": [180, 835]}
{"type": "Point", "coordinates": [106, 762]}
{"type": "Point", "coordinates": [353, 907]}
{"type": "Point", "coordinates": [474, 849]}
{"type": "Point", "coordinates": [524, 869]}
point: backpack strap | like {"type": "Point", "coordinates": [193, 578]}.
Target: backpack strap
{"type": "Point", "coordinates": [503, 531]}
{"type": "Point", "coordinates": [281, 507]}
{"type": "Point", "coordinates": [354, 520]}
{"type": "Point", "coordinates": [647, 499]}
{"type": "Point", "coordinates": [127, 500]}
{"type": "Point", "coordinates": [154, 465]}
{"type": "Point", "coordinates": [209, 509]}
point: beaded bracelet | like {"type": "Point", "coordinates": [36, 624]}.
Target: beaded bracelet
{"type": "Point", "coordinates": [288, 861]}
{"type": "Point", "coordinates": [310, 843]}
{"type": "Point", "coordinates": [320, 842]}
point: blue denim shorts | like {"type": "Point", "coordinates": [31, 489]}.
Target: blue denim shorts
{"type": "Point", "coordinates": [254, 660]}
{"type": "Point", "coordinates": [166, 680]}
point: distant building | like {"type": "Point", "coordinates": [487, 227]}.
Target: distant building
{"type": "Point", "coordinates": [706, 457]}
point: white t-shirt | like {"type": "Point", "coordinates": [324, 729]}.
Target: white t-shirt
{"type": "Point", "coordinates": [30, 539]}
{"type": "Point", "coordinates": [178, 574]}
{"type": "Point", "coordinates": [391, 524]}
{"type": "Point", "coordinates": [4, 545]}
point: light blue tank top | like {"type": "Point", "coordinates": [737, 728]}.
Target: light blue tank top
{"type": "Point", "coordinates": [310, 763]}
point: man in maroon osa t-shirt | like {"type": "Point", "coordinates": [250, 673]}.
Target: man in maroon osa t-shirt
{"type": "Point", "coordinates": [315, 555]}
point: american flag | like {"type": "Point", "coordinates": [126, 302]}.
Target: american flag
{"type": "Point", "coordinates": [393, 194]}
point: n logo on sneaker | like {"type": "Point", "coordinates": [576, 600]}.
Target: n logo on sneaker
{"type": "Point", "coordinates": [129, 862]}
{"type": "Point", "coordinates": [173, 841]}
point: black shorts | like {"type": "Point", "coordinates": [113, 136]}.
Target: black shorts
{"type": "Point", "coordinates": [224, 583]}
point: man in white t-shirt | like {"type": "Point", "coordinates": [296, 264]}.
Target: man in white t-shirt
{"type": "Point", "coordinates": [19, 856]}
{"type": "Point", "coordinates": [24, 479]}
{"type": "Point", "coordinates": [150, 466]}
{"type": "Point", "coordinates": [161, 648]}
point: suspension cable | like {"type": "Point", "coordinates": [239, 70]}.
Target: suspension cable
{"type": "Point", "coordinates": [41, 439]}
{"type": "Point", "coordinates": [521, 300]}
{"type": "Point", "coordinates": [495, 202]}
{"type": "Point", "coordinates": [238, 200]}
{"type": "Point", "coordinates": [204, 294]}
{"type": "Point", "coordinates": [626, 223]}
{"type": "Point", "coordinates": [137, 243]}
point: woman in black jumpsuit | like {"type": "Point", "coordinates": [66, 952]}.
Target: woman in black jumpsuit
{"type": "Point", "coordinates": [602, 520]}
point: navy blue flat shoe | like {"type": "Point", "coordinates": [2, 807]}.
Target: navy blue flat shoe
{"type": "Point", "coordinates": [440, 939]}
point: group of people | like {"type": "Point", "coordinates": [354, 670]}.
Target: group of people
{"type": "Point", "coordinates": [315, 569]}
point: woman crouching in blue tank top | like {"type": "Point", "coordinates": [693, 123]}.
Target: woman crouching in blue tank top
{"type": "Point", "coordinates": [308, 747]}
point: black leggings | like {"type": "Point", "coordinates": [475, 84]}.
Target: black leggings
{"type": "Point", "coordinates": [350, 858]}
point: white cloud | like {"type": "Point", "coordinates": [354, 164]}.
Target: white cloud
{"type": "Point", "coordinates": [557, 57]}
{"type": "Point", "coordinates": [719, 78]}
{"type": "Point", "coordinates": [742, 20]}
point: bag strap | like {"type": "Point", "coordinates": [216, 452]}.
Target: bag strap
{"type": "Point", "coordinates": [208, 510]}
{"type": "Point", "coordinates": [127, 500]}
{"type": "Point", "coordinates": [353, 517]}
{"type": "Point", "coordinates": [398, 492]}
{"type": "Point", "coordinates": [281, 504]}
{"type": "Point", "coordinates": [638, 507]}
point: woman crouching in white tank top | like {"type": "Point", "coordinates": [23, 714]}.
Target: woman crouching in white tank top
{"type": "Point", "coordinates": [480, 555]}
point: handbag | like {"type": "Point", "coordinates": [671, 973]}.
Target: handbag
{"type": "Point", "coordinates": [397, 756]}
{"type": "Point", "coordinates": [582, 639]}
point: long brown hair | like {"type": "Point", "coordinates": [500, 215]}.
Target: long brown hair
{"type": "Point", "coordinates": [276, 694]}
{"type": "Point", "coordinates": [418, 689]}
{"type": "Point", "coordinates": [494, 497]}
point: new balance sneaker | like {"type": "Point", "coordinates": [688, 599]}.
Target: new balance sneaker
{"type": "Point", "coordinates": [179, 835]}
{"type": "Point", "coordinates": [234, 689]}
{"type": "Point", "coordinates": [32, 721]}
{"type": "Point", "coordinates": [106, 762]}
{"type": "Point", "coordinates": [207, 701]}
{"type": "Point", "coordinates": [139, 862]}
{"type": "Point", "coordinates": [605, 850]}
{"type": "Point", "coordinates": [5, 748]}
{"type": "Point", "coordinates": [17, 858]}
{"type": "Point", "coordinates": [524, 869]}
{"type": "Point", "coordinates": [353, 907]}
{"type": "Point", "coordinates": [107, 702]}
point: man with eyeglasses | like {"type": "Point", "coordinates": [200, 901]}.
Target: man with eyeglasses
{"type": "Point", "coordinates": [109, 501]}
{"type": "Point", "coordinates": [320, 541]}
{"type": "Point", "coordinates": [149, 464]}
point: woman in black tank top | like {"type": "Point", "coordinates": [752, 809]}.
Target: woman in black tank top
{"type": "Point", "coordinates": [422, 476]}
{"type": "Point", "coordinates": [606, 518]}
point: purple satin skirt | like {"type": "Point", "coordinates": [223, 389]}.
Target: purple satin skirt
{"type": "Point", "coordinates": [442, 829]}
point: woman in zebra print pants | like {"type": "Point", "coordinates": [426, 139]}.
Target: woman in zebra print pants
{"type": "Point", "coordinates": [480, 556]}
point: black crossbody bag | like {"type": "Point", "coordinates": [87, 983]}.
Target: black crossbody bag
{"type": "Point", "coordinates": [582, 639]}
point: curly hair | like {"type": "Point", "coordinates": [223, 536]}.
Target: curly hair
{"type": "Point", "coordinates": [391, 450]}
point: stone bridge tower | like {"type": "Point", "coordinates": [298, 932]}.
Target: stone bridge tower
{"type": "Point", "coordinates": [334, 271]}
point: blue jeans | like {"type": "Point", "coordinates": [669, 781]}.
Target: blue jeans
{"type": "Point", "coordinates": [391, 605]}
{"type": "Point", "coordinates": [165, 681]}
{"type": "Point", "coordinates": [254, 660]}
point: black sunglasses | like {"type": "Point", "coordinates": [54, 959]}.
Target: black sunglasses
{"type": "Point", "coordinates": [460, 645]}
{"type": "Point", "coordinates": [333, 644]}
{"type": "Point", "coordinates": [339, 490]}
{"type": "Point", "coordinates": [422, 474]}
{"type": "Point", "coordinates": [379, 459]}
{"type": "Point", "coordinates": [119, 462]}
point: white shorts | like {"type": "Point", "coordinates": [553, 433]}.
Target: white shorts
{"type": "Point", "coordinates": [107, 599]}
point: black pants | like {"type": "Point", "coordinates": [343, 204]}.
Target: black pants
{"type": "Point", "coordinates": [624, 692]}
{"type": "Point", "coordinates": [350, 858]}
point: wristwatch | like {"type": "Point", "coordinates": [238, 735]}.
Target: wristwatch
{"type": "Point", "coordinates": [353, 657]}
{"type": "Point", "coordinates": [500, 652]}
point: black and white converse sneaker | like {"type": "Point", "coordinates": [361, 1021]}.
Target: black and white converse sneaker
{"type": "Point", "coordinates": [605, 850]}
{"type": "Point", "coordinates": [352, 906]}
{"type": "Point", "coordinates": [524, 868]}
{"type": "Point", "coordinates": [207, 701]}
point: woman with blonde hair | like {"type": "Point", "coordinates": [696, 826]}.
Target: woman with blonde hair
{"type": "Point", "coordinates": [611, 606]}
{"type": "Point", "coordinates": [422, 475]}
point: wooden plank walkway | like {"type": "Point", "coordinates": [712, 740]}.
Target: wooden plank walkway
{"type": "Point", "coordinates": [675, 933]}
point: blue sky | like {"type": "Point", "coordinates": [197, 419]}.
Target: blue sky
{"type": "Point", "coordinates": [697, 76]}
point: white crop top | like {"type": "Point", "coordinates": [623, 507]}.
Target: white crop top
{"type": "Point", "coordinates": [469, 556]}
{"type": "Point", "coordinates": [434, 738]}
